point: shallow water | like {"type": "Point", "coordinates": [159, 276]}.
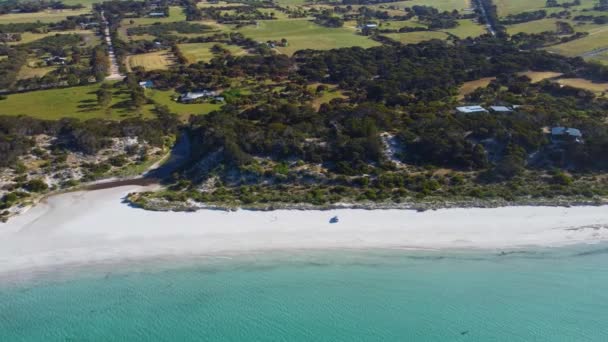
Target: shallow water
{"type": "Point", "coordinates": [536, 295]}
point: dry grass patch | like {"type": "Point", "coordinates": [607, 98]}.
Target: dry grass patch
{"type": "Point", "coordinates": [470, 86]}
{"type": "Point", "coordinates": [537, 76]}
{"type": "Point", "coordinates": [584, 84]}
{"type": "Point", "coordinates": [159, 60]}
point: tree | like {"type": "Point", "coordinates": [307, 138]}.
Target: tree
{"type": "Point", "coordinates": [36, 185]}
{"type": "Point", "coordinates": [73, 80]}
{"type": "Point", "coordinates": [104, 97]}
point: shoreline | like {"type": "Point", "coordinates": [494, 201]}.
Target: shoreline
{"type": "Point", "coordinates": [421, 206]}
{"type": "Point", "coordinates": [93, 227]}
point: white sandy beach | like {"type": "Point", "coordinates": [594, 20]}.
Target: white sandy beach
{"type": "Point", "coordinates": [93, 227]}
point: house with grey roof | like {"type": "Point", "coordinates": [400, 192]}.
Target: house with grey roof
{"type": "Point", "coordinates": [195, 95]}
{"type": "Point", "coordinates": [501, 109]}
{"type": "Point", "coordinates": [560, 135]}
{"type": "Point", "coordinates": [471, 109]}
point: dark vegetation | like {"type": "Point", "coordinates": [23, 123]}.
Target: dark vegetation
{"type": "Point", "coordinates": [76, 136]}
{"type": "Point", "coordinates": [33, 6]}
{"type": "Point", "coordinates": [254, 153]}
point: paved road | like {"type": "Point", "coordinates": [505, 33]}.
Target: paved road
{"type": "Point", "coordinates": [484, 14]}
{"type": "Point", "coordinates": [114, 70]}
{"type": "Point", "coordinates": [594, 52]}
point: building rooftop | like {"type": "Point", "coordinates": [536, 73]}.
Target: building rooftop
{"type": "Point", "coordinates": [501, 109]}
{"type": "Point", "coordinates": [471, 109]}
{"type": "Point", "coordinates": [573, 132]}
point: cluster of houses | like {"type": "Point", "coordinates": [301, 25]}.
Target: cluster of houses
{"type": "Point", "coordinates": [480, 109]}
{"type": "Point", "coordinates": [559, 135]}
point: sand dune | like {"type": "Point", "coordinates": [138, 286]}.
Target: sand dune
{"type": "Point", "coordinates": [95, 227]}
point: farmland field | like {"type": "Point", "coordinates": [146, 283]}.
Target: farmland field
{"type": "Point", "coordinates": [28, 37]}
{"type": "Point", "coordinates": [159, 60]}
{"type": "Point", "coordinates": [416, 37]}
{"type": "Point", "coordinates": [507, 7]}
{"type": "Point", "coordinates": [596, 40]}
{"type": "Point", "coordinates": [44, 17]}
{"type": "Point", "coordinates": [467, 28]}
{"type": "Point", "coordinates": [196, 52]}
{"type": "Point", "coordinates": [303, 34]}
{"type": "Point", "coordinates": [75, 102]}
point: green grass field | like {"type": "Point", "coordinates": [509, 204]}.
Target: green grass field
{"type": "Point", "coordinates": [29, 71]}
{"type": "Point", "coordinates": [303, 34]}
{"type": "Point", "coordinates": [600, 58]}
{"type": "Point", "coordinates": [163, 97]}
{"type": "Point", "coordinates": [197, 52]}
{"type": "Point", "coordinates": [416, 37]}
{"type": "Point", "coordinates": [44, 17]}
{"type": "Point", "coordinates": [467, 28]}
{"type": "Point", "coordinates": [596, 40]}
{"type": "Point", "coordinates": [391, 24]}
{"type": "Point", "coordinates": [506, 7]}
{"type": "Point", "coordinates": [75, 102]}
{"type": "Point", "coordinates": [159, 60]}
{"type": "Point", "coordinates": [548, 24]}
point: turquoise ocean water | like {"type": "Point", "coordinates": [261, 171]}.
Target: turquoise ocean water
{"type": "Point", "coordinates": [534, 295]}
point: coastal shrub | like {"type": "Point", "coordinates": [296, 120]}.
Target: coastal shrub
{"type": "Point", "coordinates": [561, 178]}
{"type": "Point", "coordinates": [36, 185]}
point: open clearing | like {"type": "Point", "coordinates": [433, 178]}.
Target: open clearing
{"type": "Point", "coordinates": [303, 34]}
{"type": "Point", "coordinates": [537, 76]}
{"type": "Point", "coordinates": [28, 37]}
{"type": "Point", "coordinates": [75, 102]}
{"type": "Point", "coordinates": [470, 86]}
{"type": "Point", "coordinates": [159, 60]}
{"type": "Point", "coordinates": [43, 17]}
{"type": "Point", "coordinates": [467, 28]}
{"type": "Point", "coordinates": [29, 71]}
{"type": "Point", "coordinates": [197, 52]}
{"type": "Point", "coordinates": [416, 37]}
{"type": "Point", "coordinates": [584, 84]}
